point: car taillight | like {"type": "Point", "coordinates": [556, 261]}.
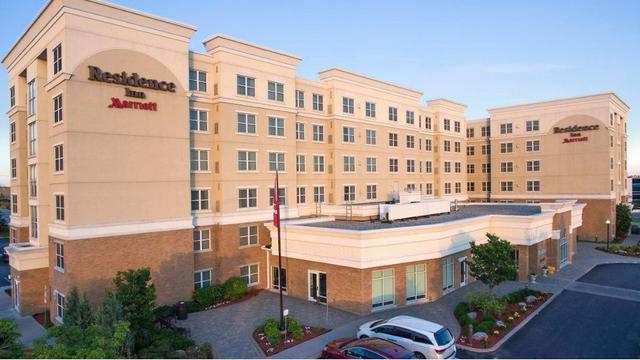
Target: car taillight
{"type": "Point", "coordinates": [441, 350]}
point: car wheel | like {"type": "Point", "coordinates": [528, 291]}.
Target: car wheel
{"type": "Point", "coordinates": [363, 336]}
{"type": "Point", "coordinates": [419, 355]}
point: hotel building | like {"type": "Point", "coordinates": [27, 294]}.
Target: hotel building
{"type": "Point", "coordinates": [129, 150]}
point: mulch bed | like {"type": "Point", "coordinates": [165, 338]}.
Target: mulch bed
{"type": "Point", "coordinates": [630, 254]}
{"type": "Point", "coordinates": [249, 295]}
{"type": "Point", "coordinates": [509, 311]}
{"type": "Point", "coordinates": [269, 350]}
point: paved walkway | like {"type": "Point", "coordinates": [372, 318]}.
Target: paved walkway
{"type": "Point", "coordinates": [28, 327]}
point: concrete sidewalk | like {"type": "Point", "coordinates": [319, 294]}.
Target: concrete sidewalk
{"type": "Point", "coordinates": [28, 327]}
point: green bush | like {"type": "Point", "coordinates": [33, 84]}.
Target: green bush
{"type": "Point", "coordinates": [9, 345]}
{"type": "Point", "coordinates": [485, 326]}
{"type": "Point", "coordinates": [272, 331]}
{"type": "Point", "coordinates": [234, 288]}
{"type": "Point", "coordinates": [487, 302]}
{"type": "Point", "coordinates": [623, 220]}
{"type": "Point", "coordinates": [165, 311]}
{"type": "Point", "coordinates": [163, 344]}
{"type": "Point", "coordinates": [210, 295]}
{"type": "Point", "coordinates": [460, 312]}
{"type": "Point", "coordinates": [193, 306]}
{"type": "Point", "coordinates": [293, 326]}
{"type": "Point", "coordinates": [202, 351]}
{"type": "Point", "coordinates": [520, 295]}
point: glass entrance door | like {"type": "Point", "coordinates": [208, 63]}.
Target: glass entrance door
{"type": "Point", "coordinates": [318, 286]}
{"type": "Point", "coordinates": [16, 295]}
{"type": "Point", "coordinates": [464, 272]}
{"type": "Point", "coordinates": [564, 251]}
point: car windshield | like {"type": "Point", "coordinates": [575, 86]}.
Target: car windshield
{"type": "Point", "coordinates": [443, 336]}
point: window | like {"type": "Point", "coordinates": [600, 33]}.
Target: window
{"type": "Point", "coordinates": [457, 147]}
{"type": "Point", "coordinates": [301, 195]}
{"type": "Point", "coordinates": [247, 198]}
{"type": "Point", "coordinates": [249, 274]}
{"type": "Point", "coordinates": [14, 203]}
{"type": "Point", "coordinates": [301, 163]}
{"type": "Point", "coordinates": [485, 131]}
{"type": "Point", "coordinates": [471, 186]}
{"type": "Point", "coordinates": [199, 160]}
{"type": "Point", "coordinates": [533, 185]}
{"type": "Point", "coordinates": [411, 142]}
{"type": "Point", "coordinates": [416, 282]}
{"type": "Point", "coordinates": [410, 117]}
{"type": "Point", "coordinates": [372, 165]}
{"type": "Point", "coordinates": [247, 160]}
{"type": "Point", "coordinates": [506, 186]}
{"type": "Point", "coordinates": [276, 161]}
{"type": "Point", "coordinates": [197, 80]}
{"type": "Point", "coordinates": [506, 128]}
{"type": "Point", "coordinates": [317, 102]}
{"type": "Point", "coordinates": [59, 298]}
{"type": "Point", "coordinates": [12, 132]}
{"type": "Point", "coordinates": [382, 288]}
{"type": "Point", "coordinates": [349, 163]}
{"type": "Point", "coordinates": [202, 279]}
{"type": "Point", "coordinates": [506, 148]}
{"type": "Point", "coordinates": [299, 99]}
{"type": "Point", "coordinates": [33, 222]}
{"type": "Point", "coordinates": [31, 97]}
{"type": "Point", "coordinates": [447, 125]}
{"type": "Point", "coordinates": [506, 167]}
{"type": "Point", "coordinates": [199, 200]}
{"type": "Point", "coordinates": [282, 196]}
{"type": "Point", "coordinates": [428, 165]}
{"type": "Point", "coordinates": [447, 145]}
{"type": "Point", "coordinates": [276, 280]}
{"type": "Point", "coordinates": [533, 165]}
{"type": "Point", "coordinates": [12, 96]}
{"type": "Point", "coordinates": [33, 181]}
{"type": "Point", "coordinates": [59, 207]}
{"type": "Point", "coordinates": [201, 240]}
{"type": "Point", "coordinates": [393, 113]}
{"type": "Point", "coordinates": [427, 122]}
{"type": "Point", "coordinates": [59, 256]}
{"type": "Point", "coordinates": [57, 59]}
{"type": "Point", "coordinates": [486, 149]}
{"type": "Point", "coordinates": [318, 194]}
{"type": "Point", "coordinates": [447, 166]}
{"type": "Point", "coordinates": [14, 168]}
{"type": "Point", "coordinates": [248, 235]}
{"type": "Point", "coordinates": [347, 105]}
{"type": "Point", "coordinates": [372, 192]}
{"type": "Point", "coordinates": [199, 121]}
{"type": "Point", "coordinates": [457, 166]}
{"type": "Point", "coordinates": [393, 139]}
{"type": "Point", "coordinates": [348, 134]}
{"type": "Point", "coordinates": [349, 193]}
{"type": "Point", "coordinates": [299, 131]}
{"type": "Point", "coordinates": [429, 189]}
{"type": "Point", "coordinates": [486, 168]}
{"type": "Point", "coordinates": [428, 144]}
{"type": "Point", "coordinates": [32, 138]}
{"type": "Point", "coordinates": [447, 273]}
{"type": "Point", "coordinates": [370, 136]}
{"type": "Point", "coordinates": [247, 123]}
{"type": "Point", "coordinates": [471, 132]}
{"type": "Point", "coordinates": [276, 126]}
{"type": "Point", "coordinates": [246, 86]}
{"type": "Point", "coordinates": [533, 145]}
{"type": "Point", "coordinates": [486, 186]}
{"type": "Point", "coordinates": [318, 163]}
{"type": "Point", "coordinates": [533, 125]}
{"type": "Point", "coordinates": [370, 109]}
{"type": "Point", "coordinates": [447, 188]}
{"type": "Point", "coordinates": [318, 133]}
{"type": "Point", "coordinates": [57, 109]}
{"type": "Point", "coordinates": [411, 166]}
{"type": "Point", "coordinates": [393, 165]}
{"type": "Point", "coordinates": [275, 91]}
{"type": "Point", "coordinates": [471, 150]}
{"type": "Point", "coordinates": [456, 126]}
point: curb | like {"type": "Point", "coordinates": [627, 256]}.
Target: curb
{"type": "Point", "coordinates": [514, 331]}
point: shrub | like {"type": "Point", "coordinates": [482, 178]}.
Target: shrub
{"type": "Point", "coordinates": [193, 306]}
{"type": "Point", "coordinates": [488, 303]}
{"type": "Point", "coordinates": [460, 312]}
{"type": "Point", "coordinates": [9, 345]}
{"type": "Point", "coordinates": [234, 288]}
{"type": "Point", "coordinates": [210, 295]}
{"type": "Point", "coordinates": [163, 344]}
{"type": "Point", "coordinates": [623, 220]}
{"type": "Point", "coordinates": [272, 331]}
{"type": "Point", "coordinates": [485, 326]}
{"type": "Point", "coordinates": [293, 326]}
{"type": "Point", "coordinates": [202, 351]}
{"type": "Point", "coordinates": [165, 311]}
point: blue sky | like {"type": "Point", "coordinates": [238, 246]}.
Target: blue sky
{"type": "Point", "coordinates": [481, 53]}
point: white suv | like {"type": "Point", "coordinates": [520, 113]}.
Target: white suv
{"type": "Point", "coordinates": [425, 339]}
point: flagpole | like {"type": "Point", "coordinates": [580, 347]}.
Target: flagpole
{"type": "Point", "coordinates": [277, 202]}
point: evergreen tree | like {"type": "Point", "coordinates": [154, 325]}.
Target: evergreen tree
{"type": "Point", "coordinates": [77, 310]}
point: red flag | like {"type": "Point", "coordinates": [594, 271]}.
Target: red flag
{"type": "Point", "coordinates": [276, 215]}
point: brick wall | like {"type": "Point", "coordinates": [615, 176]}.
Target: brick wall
{"type": "Point", "coordinates": [32, 289]}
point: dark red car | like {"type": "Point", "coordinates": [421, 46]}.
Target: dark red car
{"type": "Point", "coordinates": [368, 348]}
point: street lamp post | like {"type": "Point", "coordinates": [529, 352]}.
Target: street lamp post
{"type": "Point", "coordinates": [608, 222]}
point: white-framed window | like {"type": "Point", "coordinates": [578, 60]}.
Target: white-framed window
{"type": "Point", "coordinates": [59, 256]}
{"type": "Point", "coordinates": [348, 134]}
{"type": "Point", "coordinates": [14, 168]}
{"type": "Point", "coordinates": [202, 279]}
{"type": "Point", "coordinates": [318, 102]}
{"type": "Point", "coordinates": [471, 132]}
{"type": "Point", "coordinates": [59, 301]}
{"type": "Point", "coordinates": [471, 186]}
{"type": "Point", "coordinates": [372, 192]}
{"type": "Point", "coordinates": [486, 168]}
{"type": "Point", "coordinates": [427, 122]}
{"type": "Point", "coordinates": [57, 109]}
{"type": "Point", "coordinates": [301, 163]}
{"type": "Point", "coordinates": [506, 186]}
{"type": "Point", "coordinates": [282, 196]}
{"type": "Point", "coordinates": [447, 188]}
{"type": "Point", "coordinates": [59, 207]}
{"type": "Point", "coordinates": [246, 123]}
{"type": "Point", "coordinates": [506, 166]}
{"type": "Point", "coordinates": [447, 145]}
{"type": "Point", "coordinates": [457, 167]}
{"type": "Point", "coordinates": [533, 185]}
{"type": "Point", "coordinates": [199, 199]}
{"type": "Point", "coordinates": [533, 165]}
{"type": "Point", "coordinates": [393, 113]}
{"type": "Point", "coordinates": [245, 86]}
{"type": "Point", "coordinates": [533, 145]}
{"type": "Point", "coordinates": [471, 150]}
{"type": "Point", "coordinates": [277, 280]}
{"type": "Point", "coordinates": [276, 126]}
{"type": "Point", "coordinates": [247, 198]}
{"type": "Point", "coordinates": [447, 125]}
{"type": "Point", "coordinates": [416, 282]}
{"type": "Point", "coordinates": [393, 165]}
{"type": "Point", "coordinates": [247, 160]}
{"type": "Point", "coordinates": [33, 211]}
{"type": "Point", "coordinates": [299, 99]}
{"type": "Point", "coordinates": [33, 181]}
{"type": "Point", "coordinates": [410, 117]}
{"type": "Point", "coordinates": [301, 195]}
{"type": "Point", "coordinates": [506, 148]}
{"type": "Point", "coordinates": [485, 131]}
{"type": "Point", "coordinates": [299, 131]}
{"type": "Point", "coordinates": [201, 240]}
{"type": "Point", "coordinates": [249, 274]}
{"type": "Point", "coordinates": [318, 163]}
{"type": "Point", "coordinates": [411, 166]}
{"type": "Point", "coordinates": [14, 203]}
{"type": "Point", "coordinates": [198, 120]}
{"type": "Point", "coordinates": [57, 59]}
{"type": "Point", "coordinates": [393, 139]}
{"type": "Point", "coordinates": [456, 126]}
{"type": "Point", "coordinates": [318, 133]}
{"type": "Point", "coordinates": [349, 162]}
{"type": "Point", "coordinates": [318, 194]}
{"type": "Point", "coordinates": [428, 144]}
{"type": "Point", "coordinates": [347, 105]}
{"type": "Point", "coordinates": [370, 109]}
{"type": "Point", "coordinates": [31, 97]}
{"type": "Point", "coordinates": [429, 188]}
{"type": "Point", "coordinates": [372, 164]}
{"type": "Point", "coordinates": [471, 168]}
{"type": "Point", "coordinates": [428, 166]}
{"type": "Point", "coordinates": [370, 136]}
{"type": "Point", "coordinates": [447, 166]}
{"type": "Point", "coordinates": [486, 186]}
{"type": "Point", "coordinates": [533, 125]}
{"type": "Point", "coordinates": [382, 288]}
{"type": "Point", "coordinates": [12, 96]}
{"type": "Point", "coordinates": [506, 128]}
{"type": "Point", "coordinates": [276, 161]}
{"type": "Point", "coordinates": [275, 91]}
{"type": "Point", "coordinates": [457, 147]}
{"type": "Point", "coordinates": [197, 80]}
{"type": "Point", "coordinates": [411, 142]}
{"type": "Point", "coordinates": [349, 193]}
{"type": "Point", "coordinates": [199, 160]}
{"type": "Point", "coordinates": [32, 131]}
{"type": "Point", "coordinates": [248, 235]}
{"type": "Point", "coordinates": [12, 132]}
{"type": "Point", "coordinates": [485, 149]}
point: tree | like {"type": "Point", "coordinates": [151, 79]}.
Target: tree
{"type": "Point", "coordinates": [137, 294]}
{"type": "Point", "coordinates": [623, 220]}
{"type": "Point", "coordinates": [10, 348]}
{"type": "Point", "coordinates": [78, 310]}
{"type": "Point", "coordinates": [493, 262]}
{"type": "Point", "coordinates": [110, 312]}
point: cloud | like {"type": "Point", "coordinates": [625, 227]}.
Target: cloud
{"type": "Point", "coordinates": [516, 68]}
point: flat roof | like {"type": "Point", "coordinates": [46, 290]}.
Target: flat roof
{"type": "Point", "coordinates": [464, 212]}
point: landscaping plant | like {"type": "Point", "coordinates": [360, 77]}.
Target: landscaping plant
{"type": "Point", "coordinates": [234, 288]}
{"type": "Point", "coordinates": [623, 220]}
{"type": "Point", "coordinates": [10, 348]}
{"type": "Point", "coordinates": [493, 262]}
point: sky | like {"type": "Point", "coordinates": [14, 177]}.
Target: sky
{"type": "Point", "coordinates": [483, 54]}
